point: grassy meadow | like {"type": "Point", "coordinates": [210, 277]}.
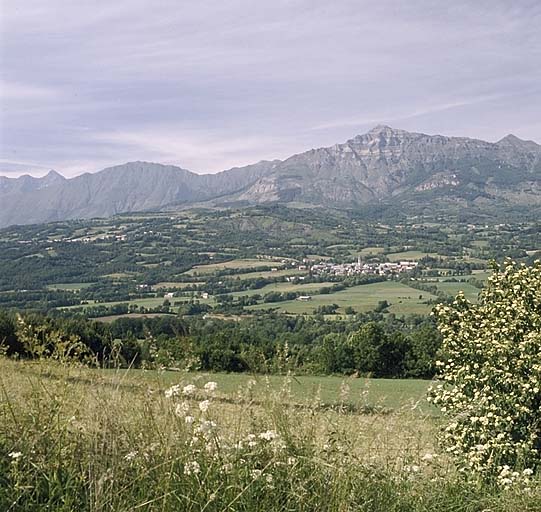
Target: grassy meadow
{"type": "Point", "coordinates": [80, 439]}
{"type": "Point", "coordinates": [365, 297]}
{"type": "Point", "coordinates": [235, 264]}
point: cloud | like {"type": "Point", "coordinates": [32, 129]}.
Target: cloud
{"type": "Point", "coordinates": [15, 169]}
{"type": "Point", "coordinates": [209, 85]}
{"type": "Point", "coordinates": [10, 91]}
{"type": "Point", "coordinates": [397, 116]}
{"type": "Point", "coordinates": [199, 150]}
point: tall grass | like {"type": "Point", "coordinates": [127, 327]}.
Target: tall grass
{"type": "Point", "coordinates": [75, 439]}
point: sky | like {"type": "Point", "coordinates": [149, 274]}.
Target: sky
{"type": "Point", "coordinates": [209, 85]}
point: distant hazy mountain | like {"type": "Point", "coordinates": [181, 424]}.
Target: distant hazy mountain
{"type": "Point", "coordinates": [382, 165]}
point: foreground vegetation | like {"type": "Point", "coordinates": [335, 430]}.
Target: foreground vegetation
{"type": "Point", "coordinates": [73, 438]}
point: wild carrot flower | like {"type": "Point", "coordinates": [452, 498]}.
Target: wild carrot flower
{"type": "Point", "coordinates": [192, 468]}
{"type": "Point", "coordinates": [130, 456]}
{"type": "Point", "coordinates": [172, 391]}
{"type": "Point", "coordinates": [181, 409]}
{"type": "Point", "coordinates": [210, 386]}
{"type": "Point", "coordinates": [188, 390]}
{"type": "Point", "coordinates": [269, 435]}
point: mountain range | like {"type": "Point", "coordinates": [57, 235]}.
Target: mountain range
{"type": "Point", "coordinates": [384, 165]}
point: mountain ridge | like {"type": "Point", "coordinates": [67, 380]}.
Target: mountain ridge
{"type": "Point", "coordinates": [382, 164]}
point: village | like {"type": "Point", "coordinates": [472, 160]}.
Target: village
{"type": "Point", "coordinates": [350, 269]}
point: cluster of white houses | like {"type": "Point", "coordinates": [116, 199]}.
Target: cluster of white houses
{"type": "Point", "coordinates": [350, 269]}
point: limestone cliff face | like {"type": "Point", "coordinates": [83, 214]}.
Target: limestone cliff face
{"type": "Point", "coordinates": [386, 162]}
{"type": "Point", "coordinates": [383, 164]}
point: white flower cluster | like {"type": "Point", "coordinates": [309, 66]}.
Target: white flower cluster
{"type": "Point", "coordinates": [189, 390]}
{"type": "Point", "coordinates": [507, 477]}
{"type": "Point", "coordinates": [200, 426]}
{"type": "Point", "coordinates": [490, 375]}
{"type": "Point", "coordinates": [15, 456]}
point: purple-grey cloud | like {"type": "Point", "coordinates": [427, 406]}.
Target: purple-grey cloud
{"type": "Point", "coordinates": [208, 85]}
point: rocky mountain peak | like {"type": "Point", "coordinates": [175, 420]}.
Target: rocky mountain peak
{"type": "Point", "coordinates": [51, 178]}
{"type": "Point", "coordinates": [514, 141]}
{"type": "Point", "coordinates": [52, 175]}
{"type": "Point", "coordinates": [381, 135]}
{"type": "Point", "coordinates": [382, 129]}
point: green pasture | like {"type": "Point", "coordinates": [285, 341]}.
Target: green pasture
{"type": "Point", "coordinates": [402, 298]}
{"type": "Point", "coordinates": [269, 274]}
{"type": "Point", "coordinates": [233, 265]}
{"type": "Point", "coordinates": [69, 286]}
{"type": "Point", "coordinates": [410, 255]}
{"type": "Point", "coordinates": [284, 287]}
{"type": "Point", "coordinates": [470, 292]}
{"type": "Point", "coordinates": [305, 389]}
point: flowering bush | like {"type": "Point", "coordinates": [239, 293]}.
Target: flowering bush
{"type": "Point", "coordinates": [490, 375]}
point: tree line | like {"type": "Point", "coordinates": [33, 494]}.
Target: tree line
{"type": "Point", "coordinates": [369, 345]}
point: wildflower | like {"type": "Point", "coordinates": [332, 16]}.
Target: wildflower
{"type": "Point", "coordinates": [15, 456]}
{"type": "Point", "coordinates": [172, 391]}
{"type": "Point", "coordinates": [181, 409]}
{"type": "Point", "coordinates": [291, 461]}
{"type": "Point", "coordinates": [527, 472]}
{"type": "Point", "coordinates": [269, 435]}
{"type": "Point", "coordinates": [412, 469]}
{"type": "Point", "coordinates": [188, 390]}
{"type": "Point", "coordinates": [130, 456]}
{"type": "Point", "coordinates": [505, 470]}
{"type": "Point", "coordinates": [428, 457]}
{"type": "Point", "coordinates": [204, 405]}
{"type": "Point", "coordinates": [189, 420]}
{"type": "Point", "coordinates": [269, 478]}
{"type": "Point", "coordinates": [211, 386]}
{"type": "Point", "coordinates": [207, 426]}
{"type": "Point", "coordinates": [192, 468]}
{"type": "Point", "coordinates": [255, 473]}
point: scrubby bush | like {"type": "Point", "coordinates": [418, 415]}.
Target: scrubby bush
{"type": "Point", "coordinates": [490, 388]}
